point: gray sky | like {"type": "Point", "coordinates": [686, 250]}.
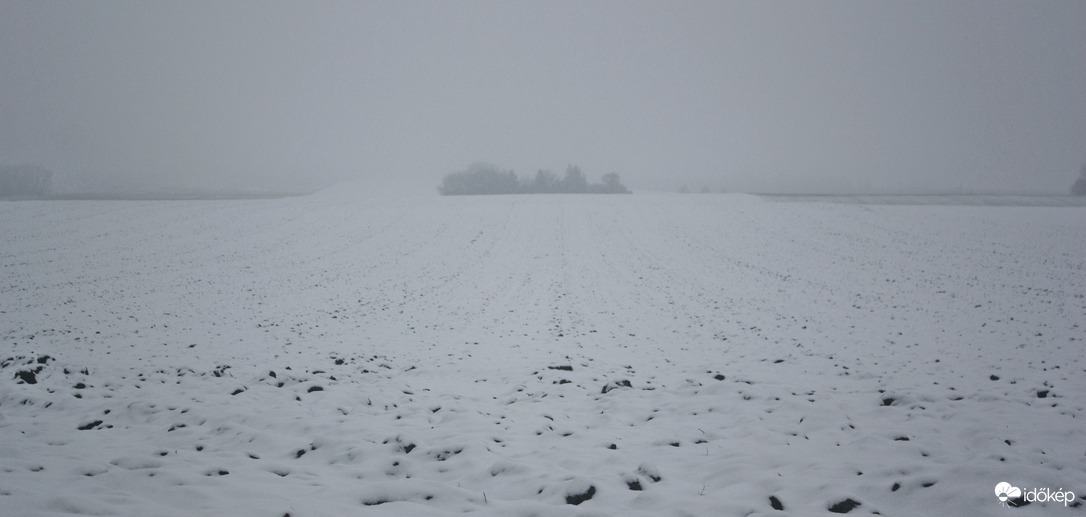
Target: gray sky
{"type": "Point", "coordinates": [754, 96]}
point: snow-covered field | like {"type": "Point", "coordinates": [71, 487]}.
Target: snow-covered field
{"type": "Point", "coordinates": [366, 353]}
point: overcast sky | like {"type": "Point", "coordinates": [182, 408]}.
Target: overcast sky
{"type": "Point", "coordinates": [749, 96]}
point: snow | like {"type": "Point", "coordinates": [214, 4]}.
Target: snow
{"type": "Point", "coordinates": [357, 352]}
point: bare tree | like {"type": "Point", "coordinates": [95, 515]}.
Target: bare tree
{"type": "Point", "coordinates": [612, 184]}
{"type": "Point", "coordinates": [24, 181]}
{"type": "Point", "coordinates": [575, 181]}
{"type": "Point", "coordinates": [1079, 187]}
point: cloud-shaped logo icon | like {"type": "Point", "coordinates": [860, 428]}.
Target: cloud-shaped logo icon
{"type": "Point", "coordinates": [1005, 491]}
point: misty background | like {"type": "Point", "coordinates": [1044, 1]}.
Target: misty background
{"type": "Point", "coordinates": [819, 97]}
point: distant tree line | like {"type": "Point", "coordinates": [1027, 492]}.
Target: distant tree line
{"type": "Point", "coordinates": [24, 181]}
{"type": "Point", "coordinates": [482, 179]}
{"type": "Point", "coordinates": [705, 189]}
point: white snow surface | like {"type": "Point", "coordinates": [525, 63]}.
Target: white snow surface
{"type": "Point", "coordinates": [361, 352]}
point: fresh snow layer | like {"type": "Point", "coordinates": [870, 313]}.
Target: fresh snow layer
{"type": "Point", "coordinates": [354, 353]}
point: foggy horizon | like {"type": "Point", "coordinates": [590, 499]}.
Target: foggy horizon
{"type": "Point", "coordinates": [827, 97]}
{"type": "Point", "coordinates": [542, 257]}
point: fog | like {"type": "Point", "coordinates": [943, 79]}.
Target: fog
{"type": "Point", "coordinates": [862, 96]}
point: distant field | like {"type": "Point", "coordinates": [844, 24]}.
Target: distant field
{"type": "Point", "coordinates": [161, 196]}
{"type": "Point", "coordinates": [933, 199]}
{"type": "Point", "coordinates": [359, 352]}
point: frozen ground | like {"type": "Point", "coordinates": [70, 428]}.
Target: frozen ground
{"type": "Point", "coordinates": [360, 353]}
{"type": "Point", "coordinates": [937, 199]}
